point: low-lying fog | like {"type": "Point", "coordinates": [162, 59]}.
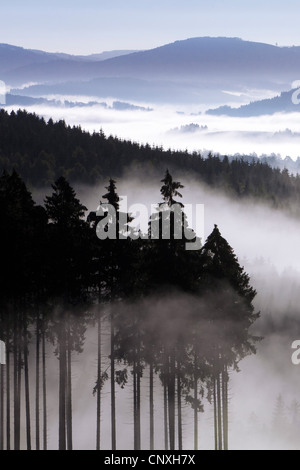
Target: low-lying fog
{"type": "Point", "coordinates": [183, 127]}
{"type": "Point", "coordinates": [267, 244]}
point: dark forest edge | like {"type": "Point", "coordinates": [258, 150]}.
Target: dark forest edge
{"type": "Point", "coordinates": [40, 152]}
{"type": "Point", "coordinates": [184, 316]}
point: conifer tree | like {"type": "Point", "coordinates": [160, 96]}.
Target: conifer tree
{"type": "Point", "coordinates": [229, 297]}
{"type": "Point", "coordinates": [69, 263]}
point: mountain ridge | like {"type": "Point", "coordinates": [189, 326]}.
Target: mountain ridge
{"type": "Point", "coordinates": [199, 59]}
{"type": "Point", "coordinates": [282, 103]}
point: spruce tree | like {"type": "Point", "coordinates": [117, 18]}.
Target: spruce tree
{"type": "Point", "coordinates": [69, 266]}
{"type": "Point", "coordinates": [230, 314]}
{"type": "Point", "coordinates": [170, 268]}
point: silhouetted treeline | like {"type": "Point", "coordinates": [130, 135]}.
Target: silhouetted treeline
{"type": "Point", "coordinates": [182, 315]}
{"type": "Point", "coordinates": [42, 151]}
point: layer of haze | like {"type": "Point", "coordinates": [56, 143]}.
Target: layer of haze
{"type": "Point", "coordinates": [266, 243]}
{"type": "Point", "coordinates": [167, 126]}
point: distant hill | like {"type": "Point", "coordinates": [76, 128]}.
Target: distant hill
{"type": "Point", "coordinates": [203, 61]}
{"type": "Point", "coordinates": [16, 100]}
{"type": "Point", "coordinates": [123, 88]}
{"type": "Point", "coordinates": [280, 104]}
{"type": "Point", "coordinates": [13, 58]}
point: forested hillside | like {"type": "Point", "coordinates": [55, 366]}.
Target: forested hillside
{"type": "Point", "coordinates": [174, 322]}
{"type": "Point", "coordinates": [41, 152]}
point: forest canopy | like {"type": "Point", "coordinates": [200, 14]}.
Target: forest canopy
{"type": "Point", "coordinates": [40, 152]}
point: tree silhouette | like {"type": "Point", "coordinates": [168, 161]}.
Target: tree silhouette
{"type": "Point", "coordinates": [169, 266]}
{"type": "Point", "coordinates": [231, 315]}
{"type": "Point", "coordinates": [69, 265]}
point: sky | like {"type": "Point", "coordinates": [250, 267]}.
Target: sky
{"type": "Point", "coordinates": [92, 26]}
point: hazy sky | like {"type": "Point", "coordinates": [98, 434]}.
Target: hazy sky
{"type": "Point", "coordinates": [88, 26]}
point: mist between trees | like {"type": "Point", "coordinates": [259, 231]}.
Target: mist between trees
{"type": "Point", "coordinates": [173, 321]}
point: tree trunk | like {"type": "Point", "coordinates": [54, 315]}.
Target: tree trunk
{"type": "Point", "coordinates": [7, 388]}
{"type": "Point", "coordinates": [171, 400]}
{"type": "Point", "coordinates": [166, 373]}
{"type": "Point", "coordinates": [220, 439]}
{"type": "Point", "coordinates": [138, 396]}
{"type": "Point", "coordinates": [19, 384]}
{"type": "Point", "coordinates": [179, 406]}
{"type": "Point", "coordinates": [27, 390]}
{"type": "Point", "coordinates": [99, 359]}
{"type": "Point", "coordinates": [62, 388]}
{"type": "Point", "coordinates": [69, 391]}
{"type": "Point", "coordinates": [1, 394]}
{"type": "Point", "coordinates": [15, 352]}
{"type": "Point", "coordinates": [44, 389]}
{"type": "Point", "coordinates": [225, 406]}
{"type": "Point", "coordinates": [37, 383]}
{"type": "Point", "coordinates": [134, 404]}
{"type": "Point", "coordinates": [151, 386]}
{"type": "Point", "coordinates": [1, 407]}
{"type": "Point", "coordinates": [17, 368]}
{"type": "Point", "coordinates": [112, 383]}
{"type": "Point", "coordinates": [215, 412]}
{"type": "Point", "coordinates": [195, 403]}
{"type": "Point", "coordinates": [195, 414]}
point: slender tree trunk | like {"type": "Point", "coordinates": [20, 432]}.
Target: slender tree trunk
{"type": "Point", "coordinates": [69, 390]}
{"type": "Point", "coordinates": [220, 438]}
{"type": "Point", "coordinates": [226, 416]}
{"type": "Point", "coordinates": [195, 414]}
{"type": "Point", "coordinates": [166, 374]}
{"type": "Point", "coordinates": [225, 406]}
{"type": "Point", "coordinates": [27, 390]}
{"type": "Point", "coordinates": [2, 395]}
{"type": "Point", "coordinates": [44, 389]}
{"type": "Point", "coordinates": [17, 368]}
{"type": "Point", "coordinates": [15, 352]}
{"type": "Point", "coordinates": [19, 362]}
{"type": "Point", "coordinates": [215, 412]}
{"type": "Point", "coordinates": [37, 382]}
{"type": "Point", "coordinates": [179, 406]}
{"type": "Point", "coordinates": [138, 411]}
{"type": "Point", "coordinates": [171, 400]}
{"type": "Point", "coordinates": [138, 395]}
{"type": "Point", "coordinates": [7, 388]}
{"type": "Point", "coordinates": [1, 407]}
{"type": "Point", "coordinates": [151, 387]}
{"type": "Point", "coordinates": [62, 388]}
{"type": "Point", "coordinates": [99, 359]}
{"type": "Point", "coordinates": [134, 403]}
{"type": "Point", "coordinates": [195, 403]}
{"type": "Point", "coordinates": [166, 417]}
{"type": "Point", "coordinates": [112, 383]}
